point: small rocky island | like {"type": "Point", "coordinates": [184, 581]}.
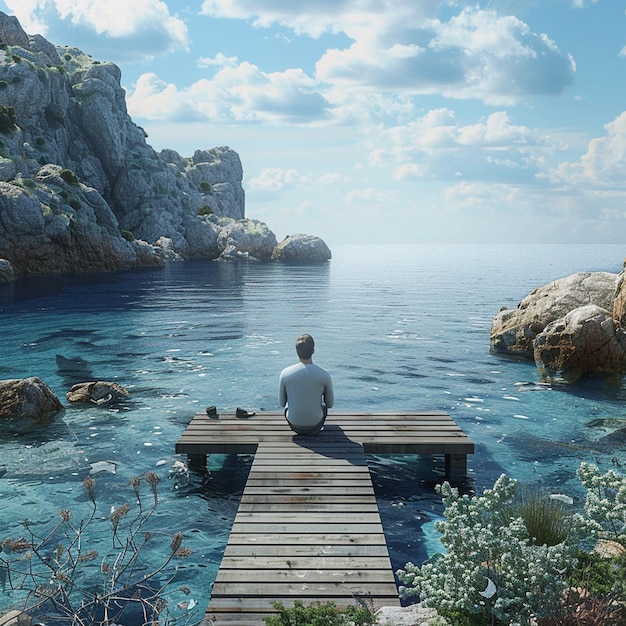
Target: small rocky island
{"type": "Point", "coordinates": [572, 327]}
{"type": "Point", "coordinates": [81, 190]}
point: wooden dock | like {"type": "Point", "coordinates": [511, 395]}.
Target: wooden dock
{"type": "Point", "coordinates": [308, 525]}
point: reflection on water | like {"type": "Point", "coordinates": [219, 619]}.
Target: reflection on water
{"type": "Point", "coordinates": [402, 328]}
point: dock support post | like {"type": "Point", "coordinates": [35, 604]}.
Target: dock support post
{"type": "Point", "coordinates": [197, 461]}
{"type": "Point", "coordinates": [456, 465]}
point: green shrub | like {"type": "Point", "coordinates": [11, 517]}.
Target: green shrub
{"type": "Point", "coordinates": [205, 210]}
{"type": "Point", "coordinates": [3, 84]}
{"type": "Point", "coordinates": [600, 576]}
{"type": "Point", "coordinates": [40, 141]}
{"type": "Point", "coordinates": [126, 234]}
{"type": "Point", "coordinates": [205, 187]}
{"type": "Point", "coordinates": [69, 177]}
{"type": "Point", "coordinates": [7, 118]}
{"type": "Point", "coordinates": [318, 615]}
{"type": "Point", "coordinates": [16, 58]}
{"type": "Point", "coordinates": [75, 203]}
{"type": "Point", "coordinates": [492, 572]}
{"type": "Point", "coordinates": [547, 520]}
{"type": "Point", "coordinates": [67, 57]}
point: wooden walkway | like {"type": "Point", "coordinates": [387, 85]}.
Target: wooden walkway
{"type": "Point", "coordinates": [308, 525]}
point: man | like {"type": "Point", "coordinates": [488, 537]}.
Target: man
{"type": "Point", "coordinates": [306, 390]}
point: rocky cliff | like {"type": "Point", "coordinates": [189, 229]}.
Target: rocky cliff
{"type": "Point", "coordinates": [81, 190]}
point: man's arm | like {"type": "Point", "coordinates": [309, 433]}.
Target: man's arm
{"type": "Point", "coordinates": [282, 392]}
{"type": "Point", "coordinates": [329, 396]}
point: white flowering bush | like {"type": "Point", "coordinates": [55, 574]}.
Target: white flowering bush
{"type": "Point", "coordinates": [492, 567]}
{"type": "Point", "coordinates": [605, 503]}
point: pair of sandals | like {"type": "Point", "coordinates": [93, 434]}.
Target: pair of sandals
{"type": "Point", "coordinates": [211, 411]}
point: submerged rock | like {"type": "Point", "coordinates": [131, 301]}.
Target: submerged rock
{"type": "Point", "coordinates": [28, 401]}
{"type": "Point", "coordinates": [301, 249]}
{"type": "Point", "coordinates": [98, 392]}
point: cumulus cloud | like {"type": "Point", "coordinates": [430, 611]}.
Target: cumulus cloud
{"type": "Point", "coordinates": [124, 30]}
{"type": "Point", "coordinates": [219, 60]}
{"type": "Point", "coordinates": [476, 54]}
{"type": "Point", "coordinates": [236, 93]}
{"type": "Point", "coordinates": [604, 162]}
{"type": "Point", "coordinates": [272, 181]}
{"type": "Point", "coordinates": [436, 146]}
{"type": "Point", "coordinates": [403, 46]}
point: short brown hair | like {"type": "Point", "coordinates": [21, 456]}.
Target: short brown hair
{"type": "Point", "coordinates": [305, 346]}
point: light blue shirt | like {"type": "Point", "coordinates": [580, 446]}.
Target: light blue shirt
{"type": "Point", "coordinates": [303, 388]}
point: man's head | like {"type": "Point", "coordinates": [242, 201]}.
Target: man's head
{"type": "Point", "coordinates": [305, 346]}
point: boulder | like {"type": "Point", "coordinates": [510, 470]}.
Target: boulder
{"type": "Point", "coordinates": [28, 401]}
{"type": "Point", "coordinates": [619, 303]}
{"type": "Point", "coordinates": [6, 271]}
{"type": "Point", "coordinates": [301, 249]}
{"type": "Point", "coordinates": [585, 342]}
{"type": "Point", "coordinates": [513, 331]}
{"type": "Point", "coordinates": [245, 238]}
{"type": "Point", "coordinates": [97, 392]}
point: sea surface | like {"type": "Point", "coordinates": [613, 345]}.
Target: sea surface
{"type": "Point", "coordinates": [399, 328]}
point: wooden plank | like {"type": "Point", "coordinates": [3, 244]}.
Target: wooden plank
{"type": "Point", "coordinates": [308, 525]}
{"type": "Point", "coordinates": [306, 562]}
{"type": "Point", "coordinates": [313, 508]}
{"type": "Point", "coordinates": [325, 539]}
{"type": "Point", "coordinates": [312, 534]}
{"type": "Point", "coordinates": [310, 550]}
{"type": "Point", "coordinates": [317, 590]}
{"type": "Point", "coordinates": [305, 517]}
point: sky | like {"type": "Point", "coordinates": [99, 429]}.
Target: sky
{"type": "Point", "coordinates": [382, 121]}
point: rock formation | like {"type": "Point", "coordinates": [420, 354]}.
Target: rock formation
{"type": "Point", "coordinates": [301, 249]}
{"type": "Point", "coordinates": [98, 392]}
{"type": "Point", "coordinates": [81, 190]}
{"type": "Point", "coordinates": [585, 342]}
{"type": "Point", "coordinates": [26, 402]}
{"type": "Point", "coordinates": [572, 327]}
{"type": "Point", "coordinates": [513, 331]}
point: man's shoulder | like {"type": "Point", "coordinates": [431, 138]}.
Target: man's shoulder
{"type": "Point", "coordinates": [320, 369]}
{"type": "Point", "coordinates": [290, 369]}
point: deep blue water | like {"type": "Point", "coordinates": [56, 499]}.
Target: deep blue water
{"type": "Point", "coordinates": [397, 327]}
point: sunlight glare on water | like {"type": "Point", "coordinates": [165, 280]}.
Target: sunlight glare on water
{"type": "Point", "coordinates": [399, 328]}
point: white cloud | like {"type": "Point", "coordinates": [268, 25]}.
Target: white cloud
{"type": "Point", "coordinates": [272, 182]}
{"type": "Point", "coordinates": [236, 93]}
{"type": "Point", "coordinates": [331, 178]}
{"type": "Point", "coordinates": [219, 60]}
{"type": "Point", "coordinates": [275, 179]}
{"type": "Point", "coordinates": [124, 29]}
{"type": "Point", "coordinates": [476, 54]}
{"type": "Point", "coordinates": [604, 162]}
{"type": "Point", "coordinates": [370, 194]}
{"type": "Point", "coordinates": [436, 146]}
{"type": "Point", "coordinates": [401, 46]}
{"type": "Point", "coordinates": [316, 17]}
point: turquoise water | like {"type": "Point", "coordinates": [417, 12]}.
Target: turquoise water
{"type": "Point", "coordinates": [397, 327]}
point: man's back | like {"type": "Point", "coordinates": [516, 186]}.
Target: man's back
{"type": "Point", "coordinates": [304, 387]}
